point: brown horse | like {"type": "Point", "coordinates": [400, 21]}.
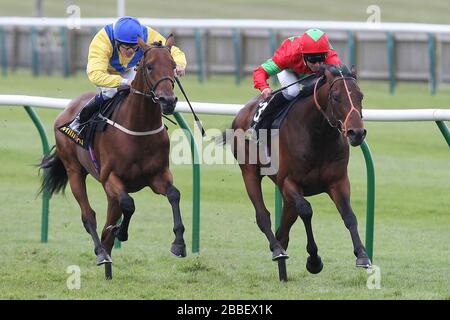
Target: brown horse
{"type": "Point", "coordinates": [313, 157]}
{"type": "Point", "coordinates": [129, 159]}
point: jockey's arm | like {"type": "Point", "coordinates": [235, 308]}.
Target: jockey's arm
{"type": "Point", "coordinates": [272, 66]}
{"type": "Point", "coordinates": [262, 73]}
{"type": "Point", "coordinates": [177, 54]}
{"type": "Point", "coordinates": [100, 51]}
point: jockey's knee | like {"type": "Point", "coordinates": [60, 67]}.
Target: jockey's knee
{"type": "Point", "coordinates": [291, 92]}
{"type": "Point", "coordinates": [107, 93]}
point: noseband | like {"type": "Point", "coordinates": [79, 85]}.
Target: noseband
{"type": "Point", "coordinates": [152, 87]}
{"type": "Point", "coordinates": [341, 126]}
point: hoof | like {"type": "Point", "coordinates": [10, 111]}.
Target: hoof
{"type": "Point", "coordinates": [314, 266]}
{"type": "Point", "coordinates": [108, 271]}
{"type": "Point", "coordinates": [363, 262]}
{"type": "Point", "coordinates": [116, 232]}
{"type": "Point", "coordinates": [178, 250]}
{"type": "Point", "coordinates": [103, 258]}
{"type": "Point", "coordinates": [279, 254]}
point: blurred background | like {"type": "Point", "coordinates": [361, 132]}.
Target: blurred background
{"type": "Point", "coordinates": [402, 51]}
{"type": "Point", "coordinates": [416, 51]}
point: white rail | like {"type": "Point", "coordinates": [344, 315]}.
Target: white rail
{"type": "Point", "coordinates": [232, 109]}
{"type": "Point", "coordinates": [234, 23]}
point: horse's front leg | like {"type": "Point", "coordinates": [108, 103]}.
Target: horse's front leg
{"type": "Point", "coordinates": [302, 207]}
{"type": "Point", "coordinates": [115, 190]}
{"type": "Point", "coordinates": [162, 184]}
{"type": "Point", "coordinates": [340, 194]}
{"type": "Point", "coordinates": [114, 213]}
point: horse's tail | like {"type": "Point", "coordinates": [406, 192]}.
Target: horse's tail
{"type": "Point", "coordinates": [55, 177]}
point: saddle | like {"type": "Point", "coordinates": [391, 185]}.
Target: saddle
{"type": "Point", "coordinates": [96, 123]}
{"type": "Point", "coordinates": [275, 118]}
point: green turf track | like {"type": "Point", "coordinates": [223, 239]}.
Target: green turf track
{"type": "Point", "coordinates": [412, 163]}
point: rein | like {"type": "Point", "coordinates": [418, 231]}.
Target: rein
{"type": "Point", "coordinates": [150, 94]}
{"type": "Point", "coordinates": [152, 87]}
{"type": "Point", "coordinates": [343, 125]}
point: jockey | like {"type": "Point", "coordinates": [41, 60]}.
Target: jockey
{"type": "Point", "coordinates": [113, 54]}
{"type": "Point", "coordinates": [297, 57]}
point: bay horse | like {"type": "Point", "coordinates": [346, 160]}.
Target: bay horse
{"type": "Point", "coordinates": [313, 157]}
{"type": "Point", "coordinates": [127, 160]}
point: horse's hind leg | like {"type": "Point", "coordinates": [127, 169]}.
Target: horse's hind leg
{"type": "Point", "coordinates": [303, 208]}
{"type": "Point", "coordinates": [340, 194]}
{"type": "Point", "coordinates": [162, 184]}
{"type": "Point", "coordinates": [77, 180]}
{"type": "Point", "coordinates": [252, 180]}
{"type": "Point", "coordinates": [115, 190]}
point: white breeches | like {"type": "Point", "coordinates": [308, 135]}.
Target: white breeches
{"type": "Point", "coordinates": [286, 78]}
{"type": "Point", "coordinates": [108, 93]}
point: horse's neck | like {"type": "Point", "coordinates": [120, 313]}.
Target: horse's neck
{"type": "Point", "coordinates": [139, 113]}
{"type": "Point", "coordinates": [308, 116]}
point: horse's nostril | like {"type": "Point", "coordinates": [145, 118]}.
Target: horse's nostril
{"type": "Point", "coordinates": [360, 133]}
{"type": "Point", "coordinates": [167, 100]}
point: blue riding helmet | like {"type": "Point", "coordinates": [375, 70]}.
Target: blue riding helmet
{"type": "Point", "coordinates": [127, 30]}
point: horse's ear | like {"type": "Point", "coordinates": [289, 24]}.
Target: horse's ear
{"type": "Point", "coordinates": [324, 70]}
{"type": "Point", "coordinates": [170, 41]}
{"type": "Point", "coordinates": [329, 75]}
{"type": "Point", "coordinates": [142, 43]}
{"type": "Point", "coordinates": [354, 71]}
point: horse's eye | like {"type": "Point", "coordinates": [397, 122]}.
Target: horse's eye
{"type": "Point", "coordinates": [149, 67]}
{"type": "Point", "coordinates": [335, 98]}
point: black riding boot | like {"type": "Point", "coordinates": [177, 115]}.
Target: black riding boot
{"type": "Point", "coordinates": [266, 108]}
{"type": "Point", "coordinates": [86, 112]}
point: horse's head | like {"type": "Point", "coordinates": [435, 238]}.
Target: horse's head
{"type": "Point", "coordinates": [155, 74]}
{"type": "Point", "coordinates": [343, 106]}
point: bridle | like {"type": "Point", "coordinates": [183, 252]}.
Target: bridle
{"type": "Point", "coordinates": [339, 125]}
{"type": "Point", "coordinates": [152, 87]}
{"type": "Point", "coordinates": [150, 94]}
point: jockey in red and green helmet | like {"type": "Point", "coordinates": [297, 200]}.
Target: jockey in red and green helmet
{"type": "Point", "coordinates": [113, 54]}
{"type": "Point", "coordinates": [296, 58]}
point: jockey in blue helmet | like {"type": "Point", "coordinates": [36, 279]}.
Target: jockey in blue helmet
{"type": "Point", "coordinates": [113, 55]}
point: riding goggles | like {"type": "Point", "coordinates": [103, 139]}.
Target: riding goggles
{"type": "Point", "coordinates": [316, 57]}
{"type": "Point", "coordinates": [128, 46]}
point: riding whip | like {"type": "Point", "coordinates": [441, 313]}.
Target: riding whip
{"type": "Point", "coordinates": [197, 120]}
{"type": "Point", "coordinates": [299, 80]}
